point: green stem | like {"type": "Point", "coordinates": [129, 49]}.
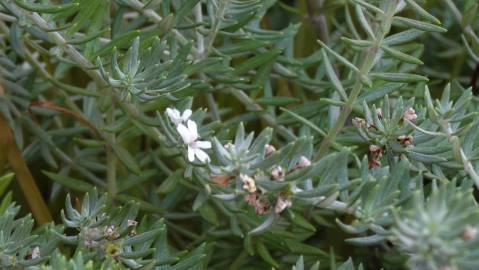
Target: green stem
{"type": "Point", "coordinates": [111, 158]}
{"type": "Point", "coordinates": [368, 64]}
{"type": "Point", "coordinates": [201, 54]}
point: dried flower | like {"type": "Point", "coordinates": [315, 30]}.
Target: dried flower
{"type": "Point", "coordinates": [469, 233]}
{"type": "Point", "coordinates": [281, 204]}
{"type": "Point", "coordinates": [277, 173]}
{"type": "Point", "coordinates": [176, 117]}
{"type": "Point", "coordinates": [405, 139]}
{"type": "Point", "coordinates": [189, 134]}
{"type": "Point", "coordinates": [374, 155]}
{"type": "Point", "coordinates": [260, 207]}
{"type": "Point", "coordinates": [222, 180]}
{"type": "Point", "coordinates": [248, 183]}
{"type": "Point", "coordinates": [269, 150]}
{"type": "Point", "coordinates": [410, 114]}
{"type": "Point", "coordinates": [359, 122]}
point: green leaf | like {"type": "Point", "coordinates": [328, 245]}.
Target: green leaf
{"type": "Point", "coordinates": [265, 255]}
{"type": "Point", "coordinates": [401, 56]}
{"type": "Point", "coordinates": [69, 182]}
{"type": "Point", "coordinates": [209, 214]}
{"type": "Point", "coordinates": [364, 22]}
{"type": "Point", "coordinates": [425, 158]}
{"type": "Point", "coordinates": [126, 158]}
{"type": "Point", "coordinates": [305, 249]}
{"type": "Point", "coordinates": [427, 27]}
{"type": "Point", "coordinates": [170, 182]}
{"type": "Point", "coordinates": [332, 76]}
{"type": "Point", "coordinates": [339, 57]}
{"type": "Point", "coordinates": [45, 8]}
{"type": "Point", "coordinates": [186, 8]}
{"type": "Point", "coordinates": [399, 77]}
{"type": "Point", "coordinates": [5, 180]}
{"type": "Point", "coordinates": [257, 61]}
{"type": "Point", "coordinates": [277, 101]}
{"type": "Point", "coordinates": [402, 37]}
{"type": "Point", "coordinates": [423, 13]}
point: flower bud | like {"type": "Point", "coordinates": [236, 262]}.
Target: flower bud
{"type": "Point", "coordinates": [269, 150]}
{"type": "Point", "coordinates": [110, 233]}
{"type": "Point", "coordinates": [260, 207]}
{"type": "Point", "coordinates": [374, 154]}
{"type": "Point", "coordinates": [410, 114]}
{"type": "Point", "coordinates": [229, 146]}
{"type": "Point", "coordinates": [405, 139]}
{"type": "Point", "coordinates": [281, 204]}
{"type": "Point", "coordinates": [277, 173]}
{"type": "Point", "coordinates": [303, 162]}
{"type": "Point", "coordinates": [91, 243]}
{"type": "Point", "coordinates": [248, 183]}
{"type": "Point", "coordinates": [379, 113]}
{"type": "Point", "coordinates": [469, 233]}
{"type": "Point", "coordinates": [359, 122]}
{"type": "Point", "coordinates": [131, 223]}
{"type": "Point", "coordinates": [35, 253]}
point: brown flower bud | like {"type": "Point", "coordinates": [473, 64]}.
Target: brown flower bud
{"type": "Point", "coordinates": [405, 139]}
{"type": "Point", "coordinates": [359, 122]}
{"type": "Point", "coordinates": [374, 155]}
{"type": "Point", "coordinates": [260, 207]}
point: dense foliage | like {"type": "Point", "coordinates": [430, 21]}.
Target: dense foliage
{"type": "Point", "coordinates": [239, 134]}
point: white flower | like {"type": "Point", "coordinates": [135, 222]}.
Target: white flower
{"type": "Point", "coordinates": [35, 253]}
{"type": "Point", "coordinates": [176, 117]}
{"type": "Point", "coordinates": [281, 204]}
{"type": "Point", "coordinates": [248, 183]}
{"type": "Point", "coordinates": [189, 134]}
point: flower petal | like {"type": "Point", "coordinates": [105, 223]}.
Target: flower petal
{"type": "Point", "coordinates": [174, 115]}
{"type": "Point", "coordinates": [193, 129]}
{"type": "Point", "coordinates": [203, 144]}
{"type": "Point", "coordinates": [201, 155]}
{"type": "Point", "coordinates": [186, 115]}
{"type": "Point", "coordinates": [191, 154]}
{"type": "Point", "coordinates": [185, 134]}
